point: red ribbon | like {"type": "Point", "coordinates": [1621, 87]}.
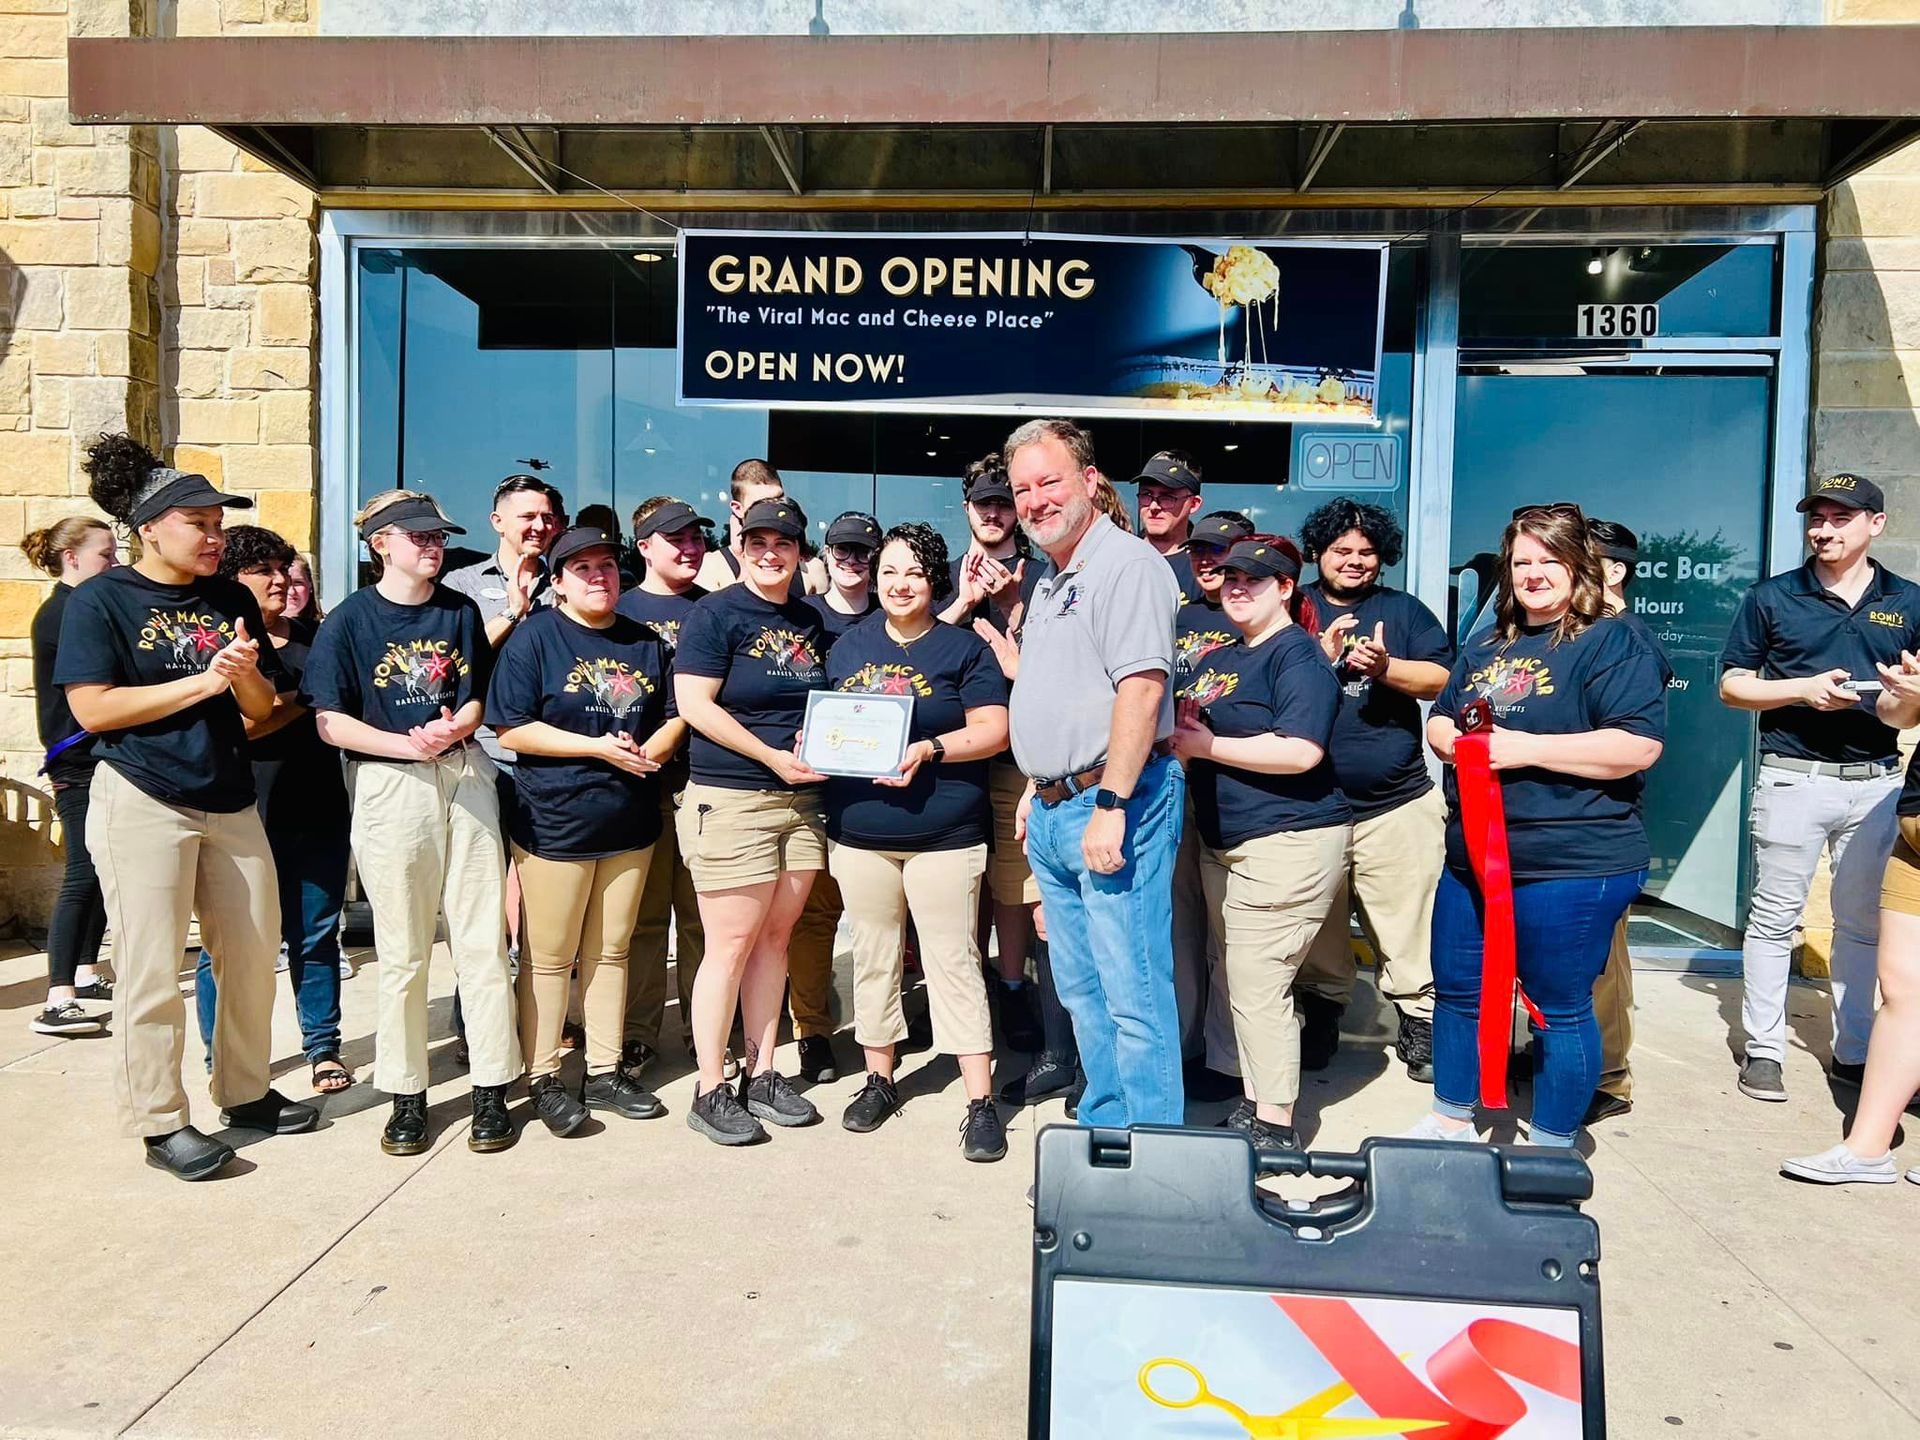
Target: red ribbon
{"type": "Point", "coordinates": [1474, 1400]}
{"type": "Point", "coordinates": [1483, 817]}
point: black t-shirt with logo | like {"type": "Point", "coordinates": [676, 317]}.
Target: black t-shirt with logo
{"type": "Point", "coordinates": [591, 682]}
{"type": "Point", "coordinates": [837, 622]}
{"type": "Point", "coordinates": [1605, 678]}
{"type": "Point", "coordinates": [1199, 629]}
{"type": "Point", "coordinates": [947, 671]}
{"type": "Point", "coordinates": [1376, 741]}
{"type": "Point", "coordinates": [1639, 627]}
{"type": "Point", "coordinates": [664, 615]}
{"type": "Point", "coordinates": [297, 773]}
{"type": "Point", "coordinates": [1282, 686]}
{"type": "Point", "coordinates": [1791, 627]}
{"type": "Point", "coordinates": [766, 657]}
{"type": "Point", "coordinates": [74, 764]}
{"type": "Point", "coordinates": [1182, 566]}
{"type": "Point", "coordinates": [123, 629]}
{"type": "Point", "coordinates": [396, 666]}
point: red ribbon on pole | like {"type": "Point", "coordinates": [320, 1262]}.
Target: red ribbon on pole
{"type": "Point", "coordinates": [1483, 818]}
{"type": "Point", "coordinates": [1469, 1394]}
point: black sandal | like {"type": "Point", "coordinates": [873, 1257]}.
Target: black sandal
{"type": "Point", "coordinates": [327, 1068]}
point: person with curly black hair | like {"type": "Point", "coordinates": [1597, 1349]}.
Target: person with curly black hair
{"type": "Point", "coordinates": [915, 844]}
{"type": "Point", "coordinates": [303, 804]}
{"type": "Point", "coordinates": [162, 660]}
{"type": "Point", "coordinates": [1391, 654]}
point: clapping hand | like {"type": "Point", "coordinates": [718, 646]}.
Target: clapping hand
{"type": "Point", "coordinates": [238, 658]}
{"type": "Point", "coordinates": [1369, 655]}
{"type": "Point", "coordinates": [623, 752]}
{"type": "Point", "coordinates": [1333, 639]}
{"type": "Point", "coordinates": [436, 735]}
{"type": "Point", "coordinates": [1192, 739]}
{"type": "Point", "coordinates": [1902, 680]}
{"type": "Point", "coordinates": [1001, 643]}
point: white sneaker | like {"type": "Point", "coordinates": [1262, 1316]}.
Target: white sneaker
{"type": "Point", "coordinates": [1433, 1127]}
{"type": "Point", "coordinates": [1840, 1166]}
{"type": "Point", "coordinates": [346, 969]}
{"type": "Point", "coordinates": [1914, 1175]}
{"type": "Point", "coordinates": [280, 964]}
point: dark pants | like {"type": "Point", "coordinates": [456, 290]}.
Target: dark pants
{"type": "Point", "coordinates": [1562, 931]}
{"type": "Point", "coordinates": [312, 869]}
{"type": "Point", "coordinates": [79, 914]}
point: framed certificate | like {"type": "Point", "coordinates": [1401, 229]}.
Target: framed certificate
{"type": "Point", "coordinates": [856, 735]}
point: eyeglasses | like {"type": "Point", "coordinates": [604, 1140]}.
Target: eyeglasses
{"type": "Point", "coordinates": [427, 539]}
{"type": "Point", "coordinates": [851, 555]}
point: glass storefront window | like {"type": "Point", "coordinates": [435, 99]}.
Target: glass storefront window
{"type": "Point", "coordinates": [1533, 294]}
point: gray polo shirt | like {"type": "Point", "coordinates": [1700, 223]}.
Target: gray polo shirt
{"type": "Point", "coordinates": [1108, 614]}
{"type": "Point", "coordinates": [486, 585]}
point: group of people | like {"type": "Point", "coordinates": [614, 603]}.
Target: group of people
{"type": "Point", "coordinates": [1151, 779]}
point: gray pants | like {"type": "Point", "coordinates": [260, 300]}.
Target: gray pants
{"type": "Point", "coordinates": [1795, 816]}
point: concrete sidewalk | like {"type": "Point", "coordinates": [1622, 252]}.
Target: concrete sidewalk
{"type": "Point", "coordinates": [634, 1278]}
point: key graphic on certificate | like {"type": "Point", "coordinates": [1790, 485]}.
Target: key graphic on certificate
{"type": "Point", "coordinates": [856, 735]}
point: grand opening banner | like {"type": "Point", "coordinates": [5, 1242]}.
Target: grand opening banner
{"type": "Point", "coordinates": [1014, 324]}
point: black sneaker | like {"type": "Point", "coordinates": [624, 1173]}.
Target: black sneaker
{"type": "Point", "coordinates": [187, 1153]}
{"type": "Point", "coordinates": [1267, 1136]}
{"type": "Point", "coordinates": [614, 1091]}
{"type": "Point", "coordinates": [94, 990]}
{"type": "Point", "coordinates": [982, 1137]}
{"type": "Point", "coordinates": [491, 1129]}
{"type": "Point", "coordinates": [66, 1018]}
{"type": "Point", "coordinates": [1049, 1074]}
{"type": "Point", "coordinates": [769, 1097]}
{"type": "Point", "coordinates": [719, 1115]}
{"type": "Point", "coordinates": [1847, 1074]}
{"type": "Point", "coordinates": [1319, 1028]}
{"type": "Point", "coordinates": [1762, 1080]}
{"type": "Point", "coordinates": [273, 1113]}
{"type": "Point", "coordinates": [558, 1111]}
{"type": "Point", "coordinates": [1415, 1048]}
{"type": "Point", "coordinates": [1604, 1107]}
{"type": "Point", "coordinates": [817, 1064]}
{"type": "Point", "coordinates": [1240, 1117]}
{"type": "Point", "coordinates": [869, 1110]}
{"type": "Point", "coordinates": [1073, 1095]}
{"type": "Point", "coordinates": [406, 1130]}
{"type": "Point", "coordinates": [1019, 1015]}
{"type": "Point", "coordinates": [635, 1056]}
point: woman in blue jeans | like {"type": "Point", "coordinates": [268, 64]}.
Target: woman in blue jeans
{"type": "Point", "coordinates": [303, 805]}
{"type": "Point", "coordinates": [1579, 708]}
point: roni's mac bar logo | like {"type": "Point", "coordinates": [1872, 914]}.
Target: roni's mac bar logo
{"type": "Point", "coordinates": [615, 689]}
{"type": "Point", "coordinates": [892, 678]}
{"type": "Point", "coordinates": [187, 638]}
{"type": "Point", "coordinates": [425, 671]}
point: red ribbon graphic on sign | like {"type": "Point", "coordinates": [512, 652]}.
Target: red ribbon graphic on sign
{"type": "Point", "coordinates": [1470, 1395]}
{"type": "Point", "coordinates": [1483, 817]}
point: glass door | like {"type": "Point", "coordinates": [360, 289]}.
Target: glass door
{"type": "Point", "coordinates": [1679, 453]}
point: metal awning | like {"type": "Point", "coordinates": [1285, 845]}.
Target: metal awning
{"type": "Point", "coordinates": [1511, 116]}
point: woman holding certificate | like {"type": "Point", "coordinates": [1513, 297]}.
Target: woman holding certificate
{"type": "Point", "coordinates": [915, 842]}
{"type": "Point", "coordinates": [750, 823]}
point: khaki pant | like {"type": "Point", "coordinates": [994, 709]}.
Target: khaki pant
{"type": "Point", "coordinates": [158, 863]}
{"type": "Point", "coordinates": [426, 842]}
{"type": "Point", "coordinates": [1389, 879]}
{"type": "Point", "coordinates": [1199, 969]}
{"type": "Point", "coordinates": [733, 838]}
{"type": "Point", "coordinates": [583, 908]}
{"type": "Point", "coordinates": [941, 890]}
{"type": "Point", "coordinates": [1613, 1007]}
{"type": "Point", "coordinates": [1269, 898]}
{"type": "Point", "coordinates": [810, 959]}
{"type": "Point", "coordinates": [1010, 876]}
{"type": "Point", "coordinates": [668, 891]}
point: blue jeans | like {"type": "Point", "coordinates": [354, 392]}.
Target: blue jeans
{"type": "Point", "coordinates": [312, 867]}
{"type": "Point", "coordinates": [1562, 930]}
{"type": "Point", "coordinates": [1111, 942]}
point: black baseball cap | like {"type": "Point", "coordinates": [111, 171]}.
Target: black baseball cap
{"type": "Point", "coordinates": [1846, 489]}
{"type": "Point", "coordinates": [854, 528]}
{"type": "Point", "coordinates": [1219, 531]}
{"type": "Point", "coordinates": [579, 538]}
{"type": "Point", "coordinates": [416, 511]}
{"type": "Point", "coordinates": [1170, 470]}
{"type": "Point", "coordinates": [990, 485]}
{"type": "Point", "coordinates": [672, 516]}
{"type": "Point", "coordinates": [167, 489]}
{"type": "Point", "coordinates": [777, 514]}
{"type": "Point", "coordinates": [1257, 557]}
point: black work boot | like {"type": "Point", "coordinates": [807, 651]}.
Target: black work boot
{"type": "Point", "coordinates": [406, 1129]}
{"type": "Point", "coordinates": [491, 1129]}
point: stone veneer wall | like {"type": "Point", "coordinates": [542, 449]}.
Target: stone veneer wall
{"type": "Point", "coordinates": [153, 280]}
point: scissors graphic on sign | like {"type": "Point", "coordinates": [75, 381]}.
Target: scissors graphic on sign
{"type": "Point", "coordinates": [1305, 1421]}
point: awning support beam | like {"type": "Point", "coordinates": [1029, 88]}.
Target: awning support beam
{"type": "Point", "coordinates": [1609, 138]}
{"type": "Point", "coordinates": [1323, 143]}
{"type": "Point", "coordinates": [783, 159]}
{"type": "Point", "coordinates": [528, 159]}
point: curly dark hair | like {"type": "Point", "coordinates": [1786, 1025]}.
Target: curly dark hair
{"type": "Point", "coordinates": [117, 465]}
{"type": "Point", "coordinates": [929, 547]}
{"type": "Point", "coordinates": [252, 545]}
{"type": "Point", "coordinates": [1335, 518]}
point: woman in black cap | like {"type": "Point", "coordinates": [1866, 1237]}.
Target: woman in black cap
{"type": "Point", "coordinates": [750, 823]}
{"type": "Point", "coordinates": [580, 695]}
{"type": "Point", "coordinates": [161, 661]}
{"type": "Point", "coordinates": [1253, 726]}
{"type": "Point", "coordinates": [852, 540]}
{"type": "Point", "coordinates": [916, 846]}
{"type": "Point", "coordinates": [396, 677]}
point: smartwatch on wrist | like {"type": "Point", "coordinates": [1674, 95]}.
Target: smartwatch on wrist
{"type": "Point", "coordinates": [939, 750]}
{"type": "Point", "coordinates": [1105, 799]}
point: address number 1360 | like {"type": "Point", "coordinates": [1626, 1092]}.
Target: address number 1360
{"type": "Point", "coordinates": [1612, 322]}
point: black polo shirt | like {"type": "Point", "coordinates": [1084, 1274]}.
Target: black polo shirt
{"type": "Point", "coordinates": [1791, 627]}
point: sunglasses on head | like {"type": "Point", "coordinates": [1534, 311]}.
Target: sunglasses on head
{"type": "Point", "coordinates": [1560, 509]}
